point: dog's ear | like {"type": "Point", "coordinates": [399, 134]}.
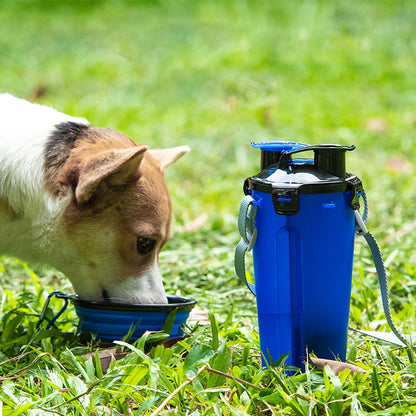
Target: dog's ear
{"type": "Point", "coordinates": [168, 156]}
{"type": "Point", "coordinates": [116, 167]}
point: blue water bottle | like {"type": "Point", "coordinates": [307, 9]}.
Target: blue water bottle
{"type": "Point", "coordinates": [298, 216]}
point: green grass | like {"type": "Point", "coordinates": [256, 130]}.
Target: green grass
{"type": "Point", "coordinates": [216, 75]}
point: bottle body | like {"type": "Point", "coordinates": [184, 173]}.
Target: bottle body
{"type": "Point", "coordinates": [303, 269]}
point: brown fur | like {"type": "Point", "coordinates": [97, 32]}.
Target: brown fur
{"type": "Point", "coordinates": [118, 188]}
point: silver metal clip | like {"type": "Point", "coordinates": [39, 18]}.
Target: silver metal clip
{"type": "Point", "coordinates": [360, 227]}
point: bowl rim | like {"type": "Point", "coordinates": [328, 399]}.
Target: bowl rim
{"type": "Point", "coordinates": [181, 303]}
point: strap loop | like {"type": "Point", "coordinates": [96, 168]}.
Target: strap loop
{"type": "Point", "coordinates": [248, 232]}
{"type": "Point", "coordinates": [42, 316]}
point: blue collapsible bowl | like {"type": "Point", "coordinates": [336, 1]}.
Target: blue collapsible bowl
{"type": "Point", "coordinates": [113, 321]}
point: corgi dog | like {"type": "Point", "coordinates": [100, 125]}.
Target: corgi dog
{"type": "Point", "coordinates": [88, 201]}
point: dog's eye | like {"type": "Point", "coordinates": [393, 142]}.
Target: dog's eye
{"type": "Point", "coordinates": [145, 245]}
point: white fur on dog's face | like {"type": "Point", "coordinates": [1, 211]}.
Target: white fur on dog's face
{"type": "Point", "coordinates": [88, 201]}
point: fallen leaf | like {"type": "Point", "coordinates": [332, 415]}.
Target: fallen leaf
{"type": "Point", "coordinates": [399, 165]}
{"type": "Point", "coordinates": [406, 229]}
{"type": "Point", "coordinates": [170, 342]}
{"type": "Point", "coordinates": [376, 125]}
{"type": "Point", "coordinates": [335, 366]}
{"type": "Point", "coordinates": [106, 356]}
{"type": "Point", "coordinates": [198, 316]}
{"type": "Point", "coordinates": [196, 224]}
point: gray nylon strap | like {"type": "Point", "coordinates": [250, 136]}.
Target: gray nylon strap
{"type": "Point", "coordinates": [248, 234]}
{"type": "Point", "coordinates": [382, 276]}
{"type": "Point", "coordinates": [365, 210]}
{"type": "Point", "coordinates": [362, 230]}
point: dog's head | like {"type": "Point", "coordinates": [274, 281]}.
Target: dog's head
{"type": "Point", "coordinates": [118, 218]}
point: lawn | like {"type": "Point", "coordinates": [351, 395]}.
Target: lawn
{"type": "Point", "coordinates": [217, 75]}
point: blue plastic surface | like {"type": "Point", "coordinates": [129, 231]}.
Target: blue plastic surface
{"type": "Point", "coordinates": [303, 269]}
{"type": "Point", "coordinates": [278, 146]}
{"type": "Point", "coordinates": [110, 325]}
